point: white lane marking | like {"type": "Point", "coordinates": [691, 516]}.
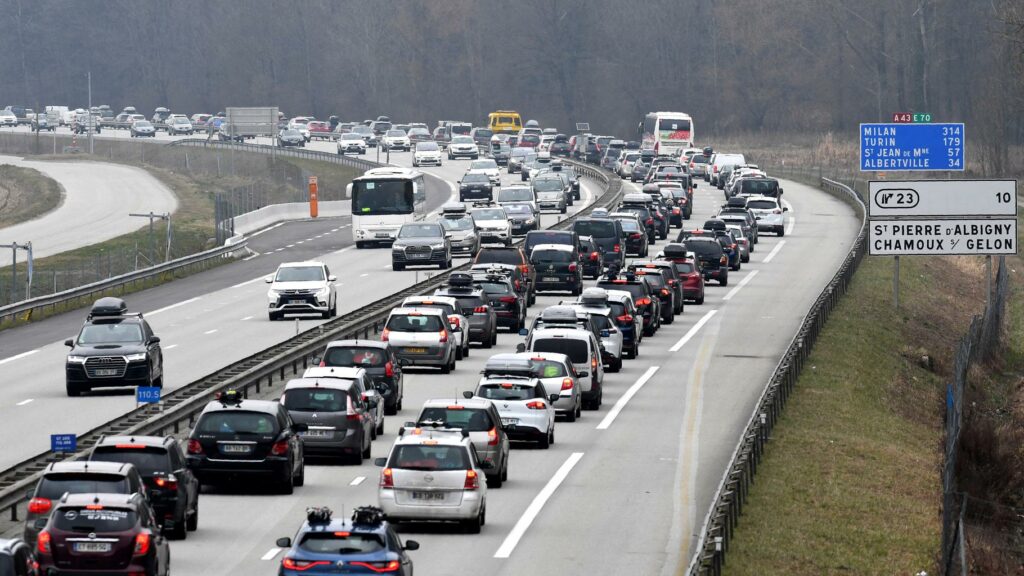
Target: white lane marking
{"type": "Point", "coordinates": [247, 318]}
{"type": "Point", "coordinates": [740, 285]}
{"type": "Point", "coordinates": [210, 331]}
{"type": "Point", "coordinates": [774, 251]}
{"type": "Point", "coordinates": [301, 242]}
{"type": "Point", "coordinates": [247, 258]}
{"type": "Point", "coordinates": [247, 282]}
{"type": "Point", "coordinates": [271, 554]}
{"type": "Point", "coordinates": [18, 356]}
{"type": "Point", "coordinates": [357, 481]}
{"type": "Point", "coordinates": [693, 331]}
{"type": "Point", "coordinates": [290, 246]}
{"type": "Point", "coordinates": [23, 402]}
{"type": "Point", "coordinates": [170, 346]}
{"type": "Point", "coordinates": [345, 249]}
{"type": "Point", "coordinates": [792, 222]}
{"type": "Point", "coordinates": [253, 235]}
{"type": "Point", "coordinates": [171, 307]}
{"type": "Point", "coordinates": [279, 249]}
{"type": "Point", "coordinates": [334, 229]}
{"type": "Point", "coordinates": [519, 530]}
{"type": "Point", "coordinates": [614, 413]}
{"type": "Point", "coordinates": [342, 226]}
{"type": "Point", "coordinates": [364, 275]}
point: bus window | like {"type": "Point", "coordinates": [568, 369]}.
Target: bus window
{"type": "Point", "coordinates": [382, 197]}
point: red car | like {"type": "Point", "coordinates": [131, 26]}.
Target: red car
{"type": "Point", "coordinates": [320, 129]}
{"type": "Point", "coordinates": [688, 270]}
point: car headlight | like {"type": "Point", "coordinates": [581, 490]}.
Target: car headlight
{"type": "Point", "coordinates": [325, 291]}
{"type": "Point", "coordinates": [529, 221]}
{"type": "Point", "coordinates": [437, 246]}
{"type": "Point", "coordinates": [140, 357]}
{"type": "Point", "coordinates": [76, 359]}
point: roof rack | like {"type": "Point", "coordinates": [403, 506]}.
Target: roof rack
{"type": "Point", "coordinates": [319, 515]}
{"type": "Point", "coordinates": [230, 397]}
{"type": "Point", "coordinates": [370, 515]}
{"type": "Point", "coordinates": [110, 307]}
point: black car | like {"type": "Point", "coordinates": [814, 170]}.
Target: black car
{"type": "Point", "coordinates": [114, 348]}
{"type": "Point", "coordinates": [421, 243]}
{"type": "Point", "coordinates": [607, 233]}
{"type": "Point", "coordinates": [558, 268]}
{"type": "Point", "coordinates": [16, 558]}
{"type": "Point", "coordinates": [644, 211]}
{"type": "Point", "coordinates": [379, 362]}
{"type": "Point", "coordinates": [238, 438]}
{"type": "Point", "coordinates": [713, 261]}
{"type": "Point", "coordinates": [512, 256]}
{"type": "Point", "coordinates": [523, 216]}
{"type": "Point", "coordinates": [647, 304]}
{"type": "Point", "coordinates": [172, 488]}
{"type": "Point", "coordinates": [508, 304]}
{"type": "Point", "coordinates": [476, 307]}
{"type": "Point", "coordinates": [639, 170]}
{"type": "Point", "coordinates": [635, 237]}
{"type": "Point", "coordinates": [660, 287]}
{"type": "Point", "coordinates": [476, 187]}
{"type": "Point", "coordinates": [567, 237]}
{"type": "Point", "coordinates": [591, 258]}
{"type": "Point", "coordinates": [291, 138]}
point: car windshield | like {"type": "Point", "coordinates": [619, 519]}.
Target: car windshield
{"type": "Point", "coordinates": [533, 138]}
{"type": "Point", "coordinates": [457, 223]}
{"type": "Point", "coordinates": [427, 147]}
{"type": "Point", "coordinates": [457, 416]}
{"type": "Point", "coordinates": [426, 457]}
{"type": "Point", "coordinates": [53, 486]}
{"type": "Point", "coordinates": [362, 130]}
{"type": "Point", "coordinates": [354, 356]}
{"type": "Point", "coordinates": [315, 400]}
{"type": "Point", "coordinates": [414, 323]}
{"type": "Point", "coordinates": [636, 290]}
{"type": "Point", "coordinates": [237, 422]}
{"type": "Point", "coordinates": [699, 159]}
{"type": "Point", "coordinates": [354, 137]}
{"type": "Point", "coordinates": [381, 126]}
{"type": "Point", "coordinates": [489, 214]}
{"type": "Point", "coordinates": [396, 133]}
{"type": "Point", "coordinates": [483, 165]}
{"type": "Point", "coordinates": [461, 139]}
{"type": "Point", "coordinates": [341, 543]}
{"type": "Point", "coordinates": [506, 391]}
{"type": "Point", "coordinates": [498, 256]}
{"type": "Point", "coordinates": [142, 124]}
{"type": "Point", "coordinates": [549, 255]}
{"type": "Point", "coordinates": [574, 348]}
{"type": "Point", "coordinates": [300, 274]}
{"type": "Point", "coordinates": [762, 205]}
{"type": "Point", "coordinates": [521, 152]}
{"type": "Point", "coordinates": [420, 231]}
{"type": "Point", "coordinates": [476, 178]}
{"type": "Point", "coordinates": [517, 209]}
{"type": "Point", "coordinates": [483, 133]}
{"type": "Point", "coordinates": [595, 228]}
{"type": "Point", "coordinates": [147, 459]}
{"type": "Point", "coordinates": [547, 185]}
{"type": "Point", "coordinates": [100, 520]}
{"type": "Point", "coordinates": [462, 129]}
{"type": "Point", "coordinates": [514, 194]}
{"type": "Point", "coordinates": [113, 333]}
{"type": "Point", "coordinates": [180, 121]}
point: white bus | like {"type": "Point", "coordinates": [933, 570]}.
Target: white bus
{"type": "Point", "coordinates": [667, 133]}
{"type": "Point", "coordinates": [382, 200]}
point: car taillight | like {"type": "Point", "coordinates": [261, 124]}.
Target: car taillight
{"type": "Point", "coordinates": [567, 383]}
{"type": "Point", "coordinates": [593, 366]}
{"type": "Point", "coordinates": [507, 299]}
{"type": "Point", "coordinates": [302, 565]}
{"type": "Point", "coordinates": [480, 310]}
{"type": "Point", "coordinates": [715, 168]}
{"type": "Point", "coordinates": [643, 302]}
{"type": "Point", "coordinates": [524, 268]}
{"type": "Point", "coordinates": [665, 292]}
{"type": "Point", "coordinates": [675, 210]}
{"type": "Point", "coordinates": [625, 319]}
{"type": "Point", "coordinates": [442, 336]}
{"type": "Point", "coordinates": [634, 236]}
{"type": "Point", "coordinates": [387, 566]}
{"type": "Point", "coordinates": [194, 447]}
{"type": "Point", "coordinates": [671, 282]}
{"type": "Point", "coordinates": [141, 544]}
{"type": "Point", "coordinates": [323, 363]}
{"type": "Point", "coordinates": [385, 335]}
{"type": "Point", "coordinates": [733, 246]}
{"type": "Point", "coordinates": [389, 369]}
{"type": "Point", "coordinates": [617, 248]}
{"type": "Point", "coordinates": [280, 448]}
{"type": "Point", "coordinates": [492, 436]}
{"type": "Point", "coordinates": [472, 480]}
{"type": "Point", "coordinates": [43, 542]}
{"type": "Point", "coordinates": [39, 505]}
{"type": "Point", "coordinates": [649, 221]}
{"type": "Point", "coordinates": [167, 483]}
{"type": "Point", "coordinates": [354, 417]}
{"type": "Point", "coordinates": [517, 285]}
{"type": "Point", "coordinates": [387, 478]}
{"type": "Point", "coordinates": [572, 267]}
{"type": "Point", "coordinates": [594, 256]}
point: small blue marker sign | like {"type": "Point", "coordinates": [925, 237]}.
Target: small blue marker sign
{"type": "Point", "coordinates": [147, 395]}
{"type": "Point", "coordinates": [63, 442]}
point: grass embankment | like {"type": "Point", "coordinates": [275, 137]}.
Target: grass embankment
{"type": "Point", "coordinates": [850, 482]}
{"type": "Point", "coordinates": [25, 194]}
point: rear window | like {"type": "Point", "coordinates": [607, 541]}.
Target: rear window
{"type": "Point", "coordinates": [762, 204]}
{"type": "Point", "coordinates": [469, 303]}
{"type": "Point", "coordinates": [636, 290]}
{"type": "Point", "coordinates": [629, 226]}
{"type": "Point", "coordinates": [234, 422]}
{"type": "Point", "coordinates": [103, 520]}
{"type": "Point", "coordinates": [315, 400]}
{"type": "Point", "coordinates": [341, 543]}
{"type": "Point", "coordinates": [425, 457]}
{"type": "Point", "coordinates": [499, 257]}
{"type": "Point", "coordinates": [532, 138]}
{"type": "Point", "coordinates": [354, 356]}
{"type": "Point", "coordinates": [600, 322]}
{"type": "Point", "coordinates": [576, 350]}
{"type": "Point", "coordinates": [414, 323]}
{"type": "Point", "coordinates": [496, 288]}
{"type": "Point", "coordinates": [698, 159]}
{"type": "Point", "coordinates": [53, 486]}
{"type": "Point", "coordinates": [148, 460]}
{"type": "Point", "coordinates": [618, 308]}
{"type": "Point", "coordinates": [506, 391]}
{"type": "Point", "coordinates": [559, 256]}
{"type": "Point", "coordinates": [655, 280]}
{"type": "Point", "coordinates": [684, 267]}
{"type": "Point", "coordinates": [595, 228]}
{"type": "Point", "coordinates": [484, 133]}
{"type": "Point", "coordinates": [704, 247]}
{"type": "Point", "coordinates": [536, 238]}
{"type": "Point", "coordinates": [549, 369]}
{"type": "Point", "coordinates": [464, 418]}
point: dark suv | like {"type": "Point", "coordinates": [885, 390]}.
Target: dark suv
{"type": "Point", "coordinates": [607, 234]}
{"type": "Point", "coordinates": [640, 204]}
{"type": "Point", "coordinates": [379, 362]}
{"type": "Point", "coordinates": [114, 348]}
{"type": "Point", "coordinates": [558, 268]}
{"type": "Point", "coordinates": [476, 307]}
{"type": "Point", "coordinates": [172, 488]}
{"type": "Point", "coordinates": [714, 263]}
{"type": "Point", "coordinates": [647, 304]}
{"type": "Point", "coordinates": [514, 256]}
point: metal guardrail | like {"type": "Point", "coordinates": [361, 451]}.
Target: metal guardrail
{"type": "Point", "coordinates": [52, 301]}
{"type": "Point", "coordinates": [290, 152]}
{"type": "Point", "coordinates": [730, 496]}
{"type": "Point", "coordinates": [182, 406]}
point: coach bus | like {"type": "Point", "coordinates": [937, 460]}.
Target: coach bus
{"type": "Point", "coordinates": [382, 200]}
{"type": "Point", "coordinates": [667, 133]}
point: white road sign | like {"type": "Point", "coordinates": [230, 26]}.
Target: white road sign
{"type": "Point", "coordinates": [943, 237]}
{"type": "Point", "coordinates": [896, 198]}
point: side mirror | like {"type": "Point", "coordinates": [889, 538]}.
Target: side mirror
{"type": "Point", "coordinates": [583, 374]}
{"type": "Point", "coordinates": [332, 278]}
{"type": "Point", "coordinates": [269, 279]}
{"type": "Point", "coordinates": [315, 360]}
{"type": "Point", "coordinates": [403, 362]}
{"type": "Point", "coordinates": [520, 347]}
{"type": "Point", "coordinates": [448, 235]}
{"type": "Point", "coordinates": [70, 343]}
{"type": "Point", "coordinates": [458, 181]}
{"type": "Point", "coordinates": [381, 462]}
{"type": "Point", "coordinates": [780, 191]}
{"type": "Point", "coordinates": [785, 208]}
{"type": "Point", "coordinates": [300, 427]}
{"type": "Point", "coordinates": [522, 332]}
{"type": "Point", "coordinates": [411, 545]}
{"type": "Point", "coordinates": [283, 543]}
{"type": "Point", "coordinates": [467, 394]}
{"type": "Point", "coordinates": [553, 398]}
{"type": "Point", "coordinates": [154, 340]}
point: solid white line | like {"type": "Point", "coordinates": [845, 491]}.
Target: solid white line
{"type": "Point", "coordinates": [693, 331]}
{"type": "Point", "coordinates": [23, 402]}
{"type": "Point", "coordinates": [740, 285]}
{"type": "Point", "coordinates": [792, 222]}
{"type": "Point", "coordinates": [519, 530]}
{"type": "Point", "coordinates": [210, 331]}
{"type": "Point", "coordinates": [247, 282]}
{"type": "Point", "coordinates": [247, 318]}
{"type": "Point", "coordinates": [170, 346]}
{"type": "Point", "coordinates": [357, 481]}
{"type": "Point", "coordinates": [774, 251]}
{"type": "Point", "coordinates": [172, 306]}
{"type": "Point", "coordinates": [290, 246]}
{"type": "Point", "coordinates": [265, 230]}
{"type": "Point", "coordinates": [271, 554]}
{"type": "Point", "coordinates": [614, 413]}
{"type": "Point", "coordinates": [17, 356]}
{"type": "Point", "coordinates": [364, 275]}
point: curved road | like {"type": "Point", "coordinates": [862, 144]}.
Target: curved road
{"type": "Point", "coordinates": [97, 198]}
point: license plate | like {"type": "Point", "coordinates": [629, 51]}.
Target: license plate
{"type": "Point", "coordinates": [509, 421]}
{"type": "Point", "coordinates": [315, 434]}
{"type": "Point", "coordinates": [235, 449]}
{"type": "Point", "coordinates": [551, 279]}
{"type": "Point", "coordinates": [416, 350]}
{"type": "Point", "coordinates": [296, 301]}
{"type": "Point", "coordinates": [383, 235]}
{"type": "Point", "coordinates": [106, 372]}
{"type": "Point", "coordinates": [92, 547]}
{"type": "Point", "coordinates": [418, 256]}
{"type": "Point", "coordinates": [428, 496]}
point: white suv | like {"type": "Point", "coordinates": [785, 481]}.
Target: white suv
{"type": "Point", "coordinates": [426, 153]}
{"type": "Point", "coordinates": [769, 213]}
{"type": "Point", "coordinates": [527, 410]}
{"type": "Point", "coordinates": [302, 288]}
{"type": "Point", "coordinates": [396, 140]}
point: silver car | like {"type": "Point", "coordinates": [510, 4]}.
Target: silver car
{"type": "Point", "coordinates": [364, 387]}
{"type": "Point", "coordinates": [481, 420]}
{"type": "Point", "coordinates": [433, 474]}
{"type": "Point", "coordinates": [339, 421]}
{"type": "Point", "coordinates": [421, 337]}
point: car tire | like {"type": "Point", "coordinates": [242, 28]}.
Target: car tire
{"type": "Point", "coordinates": [495, 481]}
{"type": "Point", "coordinates": [300, 480]}
{"type": "Point", "coordinates": [192, 521]}
{"type": "Point", "coordinates": [273, 316]}
{"type": "Point", "coordinates": [544, 442]}
{"type": "Point", "coordinates": [700, 299]}
{"type": "Point", "coordinates": [158, 382]}
{"type": "Point", "coordinates": [579, 410]}
{"type": "Point", "coordinates": [380, 427]}
{"type": "Point", "coordinates": [494, 338]}
{"type": "Point", "coordinates": [447, 368]}
{"type": "Point", "coordinates": [397, 267]}
{"type": "Point", "coordinates": [570, 416]}
{"type": "Point", "coordinates": [287, 485]}
{"type": "Point", "coordinates": [473, 526]}
{"type": "Point", "coordinates": [668, 318]}
{"type": "Point", "coordinates": [459, 355]}
{"type": "Point", "coordinates": [745, 259]}
{"type": "Point", "coordinates": [723, 281]}
{"type": "Point", "coordinates": [615, 365]}
{"type": "Point", "coordinates": [564, 209]}
{"type": "Point", "coordinates": [781, 232]}
{"type": "Point", "coordinates": [365, 454]}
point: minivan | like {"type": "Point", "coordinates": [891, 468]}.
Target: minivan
{"type": "Point", "coordinates": [338, 418]}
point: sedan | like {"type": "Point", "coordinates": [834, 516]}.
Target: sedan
{"type": "Point", "coordinates": [141, 128]}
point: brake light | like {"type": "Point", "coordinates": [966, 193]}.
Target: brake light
{"type": "Point", "coordinates": [572, 267]}
{"type": "Point", "coordinates": [593, 366]}
{"type": "Point", "coordinates": [43, 542]}
{"type": "Point", "coordinates": [634, 236]}
{"type": "Point", "coordinates": [323, 363]}
{"type": "Point", "coordinates": [675, 210]}
{"type": "Point", "coordinates": [649, 221]}
{"type": "Point", "coordinates": [385, 335]}
{"type": "Point", "coordinates": [389, 369]}
{"type": "Point", "coordinates": [671, 282]}
{"type": "Point", "coordinates": [352, 417]}
{"type": "Point", "coordinates": [442, 336]}
{"type": "Point", "coordinates": [517, 285]}
{"type": "Point", "coordinates": [492, 436]}
{"type": "Point", "coordinates": [536, 405]}
{"type": "Point", "coordinates": [141, 544]}
{"type": "Point", "coordinates": [715, 168]}
{"type": "Point", "coordinates": [389, 566]}
{"type": "Point", "coordinates": [280, 448]}
{"type": "Point", "coordinates": [387, 478]}
{"type": "Point", "coordinates": [567, 383]}
{"type": "Point", "coordinates": [480, 310]}
{"type": "Point", "coordinates": [665, 292]}
{"type": "Point", "coordinates": [617, 248]}
{"type": "Point", "coordinates": [129, 446]}
{"type": "Point", "coordinates": [472, 480]}
{"type": "Point", "coordinates": [625, 319]}
{"type": "Point", "coordinates": [94, 507]}
{"type": "Point", "coordinates": [167, 483]}
{"type": "Point", "coordinates": [594, 256]}
{"type": "Point", "coordinates": [194, 447]}
{"type": "Point", "coordinates": [524, 268]}
{"type": "Point", "coordinates": [643, 302]}
{"type": "Point", "coordinates": [302, 565]}
{"type": "Point", "coordinates": [39, 505]}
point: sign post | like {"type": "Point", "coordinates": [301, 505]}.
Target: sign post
{"type": "Point", "coordinates": [314, 209]}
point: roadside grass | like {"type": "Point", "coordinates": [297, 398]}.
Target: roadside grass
{"type": "Point", "coordinates": [26, 194]}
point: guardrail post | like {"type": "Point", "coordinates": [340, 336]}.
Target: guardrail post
{"type": "Point", "coordinates": [14, 512]}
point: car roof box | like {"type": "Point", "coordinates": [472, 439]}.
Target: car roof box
{"type": "Point", "coordinates": [594, 297]}
{"type": "Point", "coordinates": [109, 306]}
{"type": "Point", "coordinates": [557, 314]}
{"type": "Point", "coordinates": [674, 251]}
{"type": "Point", "coordinates": [739, 201]}
{"type": "Point", "coordinates": [460, 279]}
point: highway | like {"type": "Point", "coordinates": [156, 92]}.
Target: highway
{"type": "Point", "coordinates": [623, 490]}
{"type": "Point", "coordinates": [97, 198]}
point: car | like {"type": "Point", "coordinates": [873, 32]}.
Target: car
{"type": "Point", "coordinates": [172, 489]}
{"type": "Point", "coordinates": [742, 216]}
{"type": "Point", "coordinates": [483, 322]}
{"type": "Point", "coordinates": [421, 337]}
{"type": "Point", "coordinates": [526, 409]}
{"type": "Point", "coordinates": [142, 128]}
{"type": "Point", "coordinates": [421, 243]}
{"type": "Point", "coordinates": [551, 194]}
{"type": "Point", "coordinates": [319, 129]}
{"type": "Point", "coordinates": [395, 140]}
{"type": "Point", "coordinates": [114, 348]}
{"type": "Point", "coordinates": [179, 125]}
{"type": "Point", "coordinates": [635, 240]}
{"type": "Point", "coordinates": [426, 153]}
{"type": "Point", "coordinates": [583, 349]}
{"type": "Point", "coordinates": [433, 474]}
{"type": "Point", "coordinates": [624, 163]}
{"type": "Point", "coordinates": [517, 156]}
{"type": "Point", "coordinates": [555, 371]}
{"type": "Point", "coordinates": [8, 119]}
{"type": "Point", "coordinates": [237, 438]}
{"type": "Point", "coordinates": [458, 321]}
{"type": "Point", "coordinates": [86, 122]}
{"type": "Point", "coordinates": [292, 137]}
{"type": "Point", "coordinates": [99, 533]}
{"type": "Point", "coordinates": [512, 256]}
{"type": "Point", "coordinates": [499, 150]}
{"type": "Point", "coordinates": [462, 147]}
{"type": "Point", "coordinates": [607, 233]}
{"type": "Point", "coordinates": [517, 194]}
{"type": "Point", "coordinates": [480, 419]}
{"type": "Point", "coordinates": [226, 133]}
{"type": "Point", "coordinates": [74, 477]}
{"type": "Point", "coordinates": [719, 160]}
{"type": "Point", "coordinates": [594, 303]}
{"type": "Point", "coordinates": [365, 388]}
{"type": "Point", "coordinates": [379, 362]}
{"type": "Point", "coordinates": [699, 166]}
{"type": "Point", "coordinates": [368, 544]}
{"type": "Point", "coordinates": [489, 167]}
{"type": "Point", "coordinates": [338, 415]}
{"type": "Point", "coordinates": [648, 305]}
{"type": "Point", "coordinates": [419, 134]}
{"type": "Point", "coordinates": [45, 122]}
{"type": "Point", "coordinates": [476, 187]}
{"type": "Point", "coordinates": [641, 205]}
{"type": "Point", "coordinates": [628, 321]}
{"type": "Point", "coordinates": [381, 127]}
{"type": "Point", "coordinates": [482, 136]}
{"type": "Point", "coordinates": [679, 199]}
{"type": "Point", "coordinates": [301, 123]}
{"type": "Point", "coordinates": [742, 241]}
{"type": "Point", "coordinates": [558, 268]}
{"type": "Point", "coordinates": [559, 169]}
{"type": "Point", "coordinates": [667, 280]}
{"type": "Point", "coordinates": [366, 133]}
{"type": "Point", "coordinates": [687, 269]}
{"type": "Point", "coordinates": [200, 119]}
{"type": "Point", "coordinates": [714, 263]}
{"type": "Point", "coordinates": [351, 143]}
{"type": "Point", "coordinates": [506, 299]}
{"type": "Point", "coordinates": [17, 558]}
{"type": "Point", "coordinates": [460, 226]}
{"type": "Point", "coordinates": [492, 225]}
{"type": "Point", "coordinates": [523, 216]}
{"type": "Point", "coordinates": [302, 288]}
{"type": "Point", "coordinates": [541, 162]}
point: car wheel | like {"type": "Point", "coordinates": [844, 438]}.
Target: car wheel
{"type": "Point", "coordinates": [366, 451]}
{"type": "Point", "coordinates": [564, 209]}
{"type": "Point", "coordinates": [447, 368]}
{"type": "Point", "coordinates": [459, 355]}
{"type": "Point", "coordinates": [579, 410]}
{"type": "Point", "coordinates": [287, 485]}
{"type": "Point", "coordinates": [494, 338]}
{"type": "Point", "coordinates": [781, 232]}
{"type": "Point", "coordinates": [700, 299]}
{"type": "Point", "coordinates": [398, 406]}
{"type": "Point", "coordinates": [495, 481]}
{"type": "Point", "coordinates": [178, 532]}
{"type": "Point", "coordinates": [273, 316]}
{"type": "Point", "coordinates": [544, 442]}
{"type": "Point", "coordinates": [397, 267]}
{"type": "Point", "coordinates": [192, 521]}
{"type": "Point", "coordinates": [380, 426]}
{"type": "Point", "coordinates": [723, 281]}
{"type": "Point", "coordinates": [473, 526]}
{"type": "Point", "coordinates": [745, 259]}
{"type": "Point", "coordinates": [615, 365]}
{"type": "Point", "coordinates": [360, 245]}
{"type": "Point", "coordinates": [571, 415]}
{"type": "Point", "coordinates": [300, 480]}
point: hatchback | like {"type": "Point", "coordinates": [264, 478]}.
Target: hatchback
{"type": "Point", "coordinates": [525, 406]}
{"type": "Point", "coordinates": [421, 337]}
{"type": "Point", "coordinates": [481, 420]}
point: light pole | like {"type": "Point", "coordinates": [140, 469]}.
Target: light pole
{"type": "Point", "coordinates": [92, 119]}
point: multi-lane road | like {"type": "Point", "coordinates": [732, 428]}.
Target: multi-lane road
{"type": "Point", "coordinates": [623, 490]}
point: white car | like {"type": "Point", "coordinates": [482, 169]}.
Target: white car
{"type": "Point", "coordinates": [7, 118]}
{"type": "Point", "coordinates": [526, 409]}
{"type": "Point", "coordinates": [302, 288]}
{"type": "Point", "coordinates": [426, 153]}
{"type": "Point", "coordinates": [351, 143]}
{"type": "Point", "coordinates": [492, 225]}
{"type": "Point", "coordinates": [769, 213]}
{"type": "Point", "coordinates": [463, 147]}
{"type": "Point", "coordinates": [554, 371]}
{"type": "Point", "coordinates": [396, 140]}
{"type": "Point", "coordinates": [487, 166]}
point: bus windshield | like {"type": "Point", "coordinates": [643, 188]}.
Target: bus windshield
{"type": "Point", "coordinates": [371, 197]}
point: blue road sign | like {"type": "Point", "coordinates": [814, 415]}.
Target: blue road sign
{"type": "Point", "coordinates": [63, 442]}
{"type": "Point", "coordinates": [147, 394]}
{"type": "Point", "coordinates": [911, 147]}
